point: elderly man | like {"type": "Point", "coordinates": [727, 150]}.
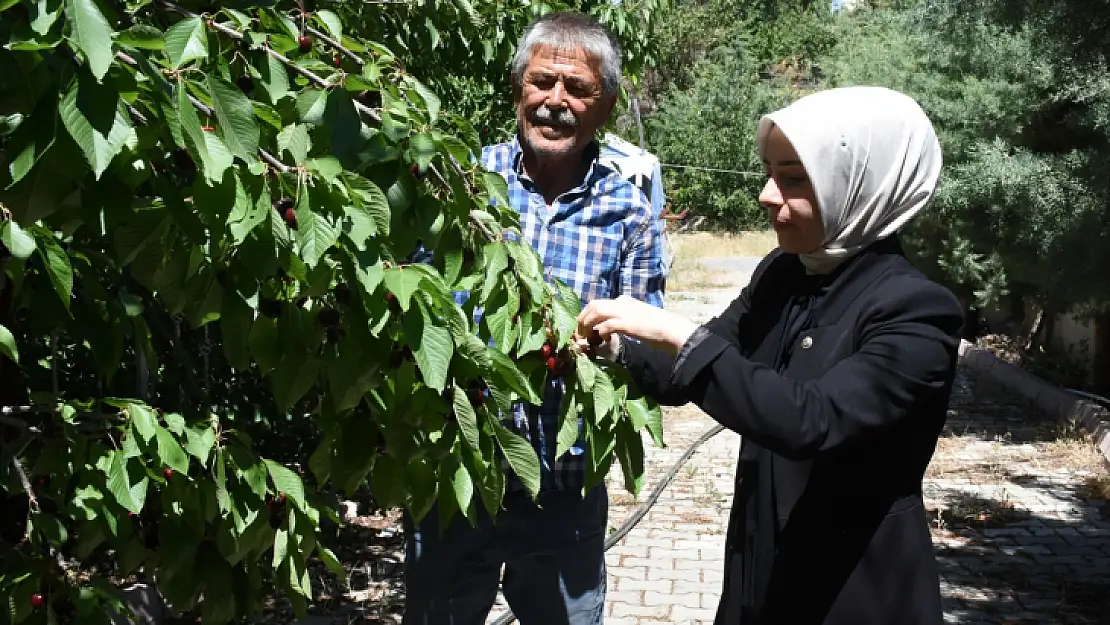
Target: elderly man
{"type": "Point", "coordinates": [596, 232]}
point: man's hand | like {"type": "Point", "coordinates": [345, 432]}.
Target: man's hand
{"type": "Point", "coordinates": [654, 326]}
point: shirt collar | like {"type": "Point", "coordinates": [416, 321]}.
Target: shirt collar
{"type": "Point", "coordinates": [591, 154]}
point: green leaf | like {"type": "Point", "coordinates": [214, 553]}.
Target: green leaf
{"type": "Point", "coordinates": [252, 207]}
{"type": "Point", "coordinates": [170, 452]}
{"type": "Point", "coordinates": [265, 343]}
{"type": "Point", "coordinates": [569, 422]}
{"type": "Point", "coordinates": [186, 41]}
{"type": "Point", "coordinates": [142, 418]}
{"type": "Point", "coordinates": [403, 282]}
{"type": "Point", "coordinates": [294, 139]}
{"type": "Point", "coordinates": [19, 242]}
{"type": "Point", "coordinates": [285, 481]}
{"type": "Point", "coordinates": [497, 261]}
{"type": "Point", "coordinates": [46, 14]}
{"type": "Point", "coordinates": [630, 453]}
{"type": "Point", "coordinates": [142, 36]}
{"type": "Point", "coordinates": [600, 444]}
{"type": "Point", "coordinates": [236, 115]}
{"type": "Point", "coordinates": [236, 318]}
{"type": "Point", "coordinates": [643, 414]}
{"type": "Point", "coordinates": [604, 397]}
{"type": "Point", "coordinates": [343, 121]}
{"type": "Point", "coordinates": [92, 34]}
{"type": "Point", "coordinates": [315, 233]}
{"type": "Point", "coordinates": [352, 374]}
{"type": "Point", "coordinates": [311, 104]}
{"type": "Point", "coordinates": [431, 346]}
{"type": "Point", "coordinates": [294, 377]}
{"type": "Point", "coordinates": [274, 79]}
{"type": "Point", "coordinates": [431, 101]}
{"type": "Point", "coordinates": [370, 198]}
{"type": "Point", "coordinates": [587, 372]}
{"type": "Point", "coordinates": [466, 417]}
{"type": "Point", "coordinates": [508, 371]}
{"type": "Point", "coordinates": [331, 561]}
{"type": "Point", "coordinates": [463, 486]}
{"type": "Point", "coordinates": [497, 187]}
{"type": "Point", "coordinates": [522, 458]}
{"type": "Point", "coordinates": [97, 119]}
{"type": "Point", "coordinates": [175, 423]}
{"type": "Point", "coordinates": [331, 22]}
{"type": "Point", "coordinates": [281, 547]}
{"type": "Point", "coordinates": [327, 167]}
{"type": "Point", "coordinates": [199, 443]}
{"type": "Point", "coordinates": [58, 267]}
{"type": "Point", "coordinates": [423, 149]}
{"type": "Point", "coordinates": [119, 482]}
{"type": "Point", "coordinates": [7, 345]}
{"type": "Point", "coordinates": [134, 235]}
{"type": "Point", "coordinates": [206, 148]}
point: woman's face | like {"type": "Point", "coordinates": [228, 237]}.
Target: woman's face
{"type": "Point", "coordinates": [789, 198]}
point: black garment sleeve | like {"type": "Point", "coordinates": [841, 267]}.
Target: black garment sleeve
{"type": "Point", "coordinates": [907, 353]}
{"type": "Point", "coordinates": [654, 370]}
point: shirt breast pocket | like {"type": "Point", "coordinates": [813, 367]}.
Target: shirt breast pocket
{"type": "Point", "coordinates": [588, 257]}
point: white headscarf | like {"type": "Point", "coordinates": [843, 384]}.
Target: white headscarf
{"type": "Point", "coordinates": [873, 158]}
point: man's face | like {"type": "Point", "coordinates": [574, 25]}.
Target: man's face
{"type": "Point", "coordinates": [560, 105]}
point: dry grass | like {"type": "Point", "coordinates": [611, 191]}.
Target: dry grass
{"type": "Point", "coordinates": [687, 274]}
{"type": "Point", "coordinates": [723, 245]}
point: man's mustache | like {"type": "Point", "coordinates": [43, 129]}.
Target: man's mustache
{"type": "Point", "coordinates": [542, 114]}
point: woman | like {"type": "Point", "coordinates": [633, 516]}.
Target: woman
{"type": "Point", "coordinates": [834, 365]}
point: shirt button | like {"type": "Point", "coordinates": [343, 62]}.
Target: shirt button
{"type": "Point", "coordinates": [807, 342]}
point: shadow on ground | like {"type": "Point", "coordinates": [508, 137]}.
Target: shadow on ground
{"type": "Point", "coordinates": [1021, 530]}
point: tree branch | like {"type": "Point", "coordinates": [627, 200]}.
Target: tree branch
{"type": "Point", "coordinates": [313, 78]}
{"type": "Point", "coordinates": [34, 502]}
{"type": "Point", "coordinates": [270, 159]}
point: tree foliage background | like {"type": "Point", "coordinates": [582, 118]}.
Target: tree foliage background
{"type": "Point", "coordinates": [1018, 91]}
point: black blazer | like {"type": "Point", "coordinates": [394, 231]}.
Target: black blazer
{"type": "Point", "coordinates": [828, 525]}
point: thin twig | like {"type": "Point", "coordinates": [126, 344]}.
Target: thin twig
{"type": "Point", "coordinates": [20, 424]}
{"type": "Point", "coordinates": [46, 410]}
{"type": "Point", "coordinates": [313, 78]}
{"type": "Point", "coordinates": [270, 159]}
{"type": "Point", "coordinates": [335, 44]}
{"type": "Point", "coordinates": [26, 484]}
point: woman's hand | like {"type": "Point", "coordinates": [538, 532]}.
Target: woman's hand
{"type": "Point", "coordinates": [625, 315]}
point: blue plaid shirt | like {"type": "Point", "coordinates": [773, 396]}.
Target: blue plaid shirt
{"type": "Point", "coordinates": [601, 239]}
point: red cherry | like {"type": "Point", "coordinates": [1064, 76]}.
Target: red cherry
{"type": "Point", "coordinates": [207, 128]}
{"type": "Point", "coordinates": [281, 498]}
{"type": "Point", "coordinates": [37, 600]}
{"type": "Point", "coordinates": [552, 364]}
{"type": "Point", "coordinates": [390, 297]}
{"type": "Point", "coordinates": [291, 218]}
{"type": "Point", "coordinates": [167, 472]}
{"type": "Point", "coordinates": [595, 339]}
{"type": "Point", "coordinates": [305, 43]}
{"type": "Point", "coordinates": [338, 60]}
{"type": "Point", "coordinates": [547, 350]}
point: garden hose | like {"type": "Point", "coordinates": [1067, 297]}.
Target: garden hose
{"type": "Point", "coordinates": [645, 507]}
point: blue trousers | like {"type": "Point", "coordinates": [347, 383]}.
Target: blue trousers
{"type": "Point", "coordinates": [553, 554]}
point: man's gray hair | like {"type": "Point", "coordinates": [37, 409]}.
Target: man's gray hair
{"type": "Point", "coordinates": [567, 30]}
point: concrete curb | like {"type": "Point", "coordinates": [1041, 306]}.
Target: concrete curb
{"type": "Point", "coordinates": [1052, 400]}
